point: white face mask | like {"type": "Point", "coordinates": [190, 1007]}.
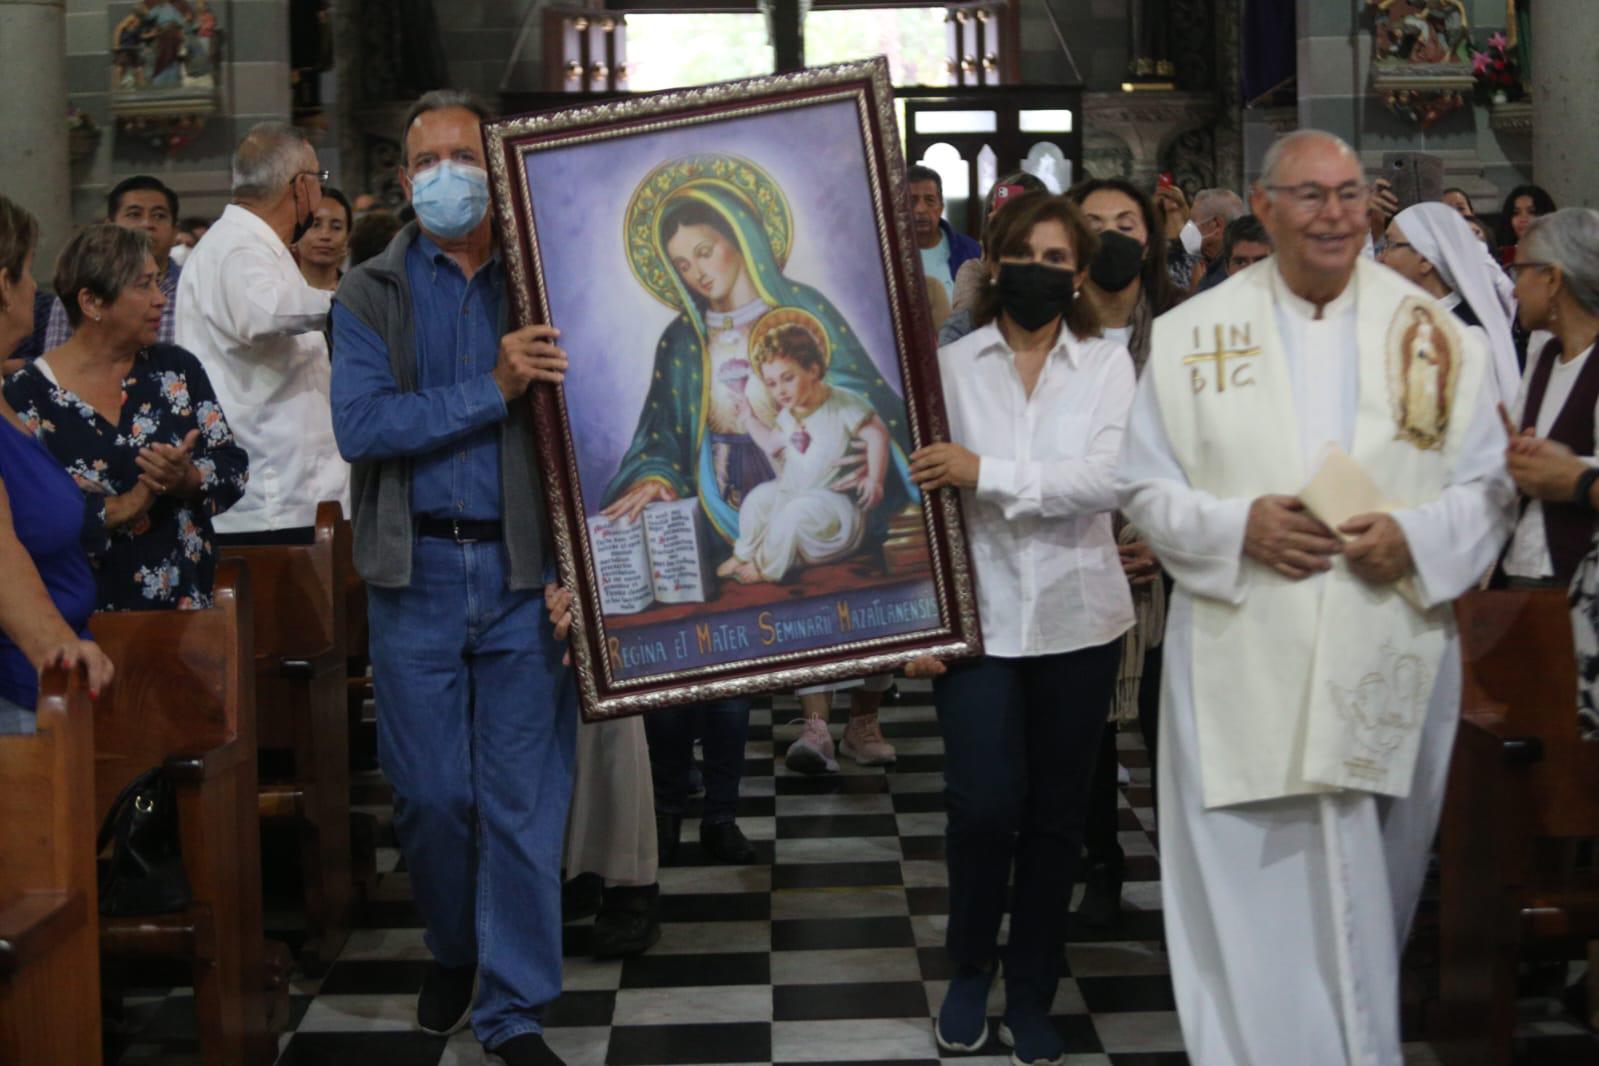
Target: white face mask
{"type": "Point", "coordinates": [1191, 237]}
{"type": "Point", "coordinates": [450, 198]}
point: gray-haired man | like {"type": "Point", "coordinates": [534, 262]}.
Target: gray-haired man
{"type": "Point", "coordinates": [247, 313]}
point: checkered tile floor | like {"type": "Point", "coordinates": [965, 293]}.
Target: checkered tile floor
{"type": "Point", "coordinates": [829, 951]}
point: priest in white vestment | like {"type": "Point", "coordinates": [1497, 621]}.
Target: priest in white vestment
{"type": "Point", "coordinates": [1312, 687]}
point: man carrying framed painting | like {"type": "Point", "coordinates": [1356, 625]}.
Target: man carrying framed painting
{"type": "Point", "coordinates": [478, 714]}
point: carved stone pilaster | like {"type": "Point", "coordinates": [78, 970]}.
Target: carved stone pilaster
{"type": "Point", "coordinates": [347, 71]}
{"type": "Point", "coordinates": [1147, 125]}
{"type": "Point", "coordinates": [1229, 127]}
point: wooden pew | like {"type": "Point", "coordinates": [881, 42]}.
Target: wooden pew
{"type": "Point", "coordinates": [49, 950]}
{"type": "Point", "coordinates": [358, 689]}
{"type": "Point", "coordinates": [184, 698]}
{"type": "Point", "coordinates": [300, 601]}
{"type": "Point", "coordinates": [1522, 787]}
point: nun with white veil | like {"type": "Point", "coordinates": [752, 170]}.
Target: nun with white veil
{"type": "Point", "coordinates": [1431, 245]}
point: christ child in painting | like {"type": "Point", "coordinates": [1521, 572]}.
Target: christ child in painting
{"type": "Point", "coordinates": [808, 514]}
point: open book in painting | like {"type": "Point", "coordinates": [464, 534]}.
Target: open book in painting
{"type": "Point", "coordinates": [660, 558]}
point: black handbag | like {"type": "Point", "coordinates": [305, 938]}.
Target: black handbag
{"type": "Point", "coordinates": [144, 874]}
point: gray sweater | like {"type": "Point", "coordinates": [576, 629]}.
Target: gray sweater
{"type": "Point", "coordinates": [378, 293]}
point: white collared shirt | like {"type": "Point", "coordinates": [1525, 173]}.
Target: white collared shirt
{"type": "Point", "coordinates": [1049, 578]}
{"type": "Point", "coordinates": [1528, 555]}
{"type": "Point", "coordinates": [247, 314]}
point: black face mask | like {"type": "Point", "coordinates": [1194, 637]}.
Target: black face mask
{"type": "Point", "coordinates": [1117, 262]}
{"type": "Point", "coordinates": [301, 228]}
{"type": "Point", "coordinates": [1032, 293]}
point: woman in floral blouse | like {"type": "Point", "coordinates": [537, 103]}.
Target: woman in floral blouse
{"type": "Point", "coordinates": [136, 424]}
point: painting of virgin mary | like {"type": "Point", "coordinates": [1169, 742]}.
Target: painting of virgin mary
{"type": "Point", "coordinates": [709, 235]}
{"type": "Point", "coordinates": [732, 273]}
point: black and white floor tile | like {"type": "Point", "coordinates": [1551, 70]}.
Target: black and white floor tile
{"type": "Point", "coordinates": [828, 952]}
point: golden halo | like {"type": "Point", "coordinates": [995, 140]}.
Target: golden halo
{"type": "Point", "coordinates": [731, 173]}
{"type": "Point", "coordinates": [788, 316]}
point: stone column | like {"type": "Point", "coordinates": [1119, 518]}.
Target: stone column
{"type": "Point", "coordinates": [33, 152]}
{"type": "Point", "coordinates": [1229, 127]}
{"type": "Point", "coordinates": [349, 96]}
{"type": "Point", "coordinates": [1565, 99]}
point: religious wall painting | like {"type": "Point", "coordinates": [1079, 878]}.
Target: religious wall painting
{"type": "Point", "coordinates": [746, 385]}
{"type": "Point", "coordinates": [1423, 371]}
{"type": "Point", "coordinates": [166, 44]}
{"type": "Point", "coordinates": [1421, 63]}
{"type": "Point", "coordinates": [166, 58]}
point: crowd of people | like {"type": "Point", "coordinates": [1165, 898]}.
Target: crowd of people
{"type": "Point", "coordinates": [1140, 391]}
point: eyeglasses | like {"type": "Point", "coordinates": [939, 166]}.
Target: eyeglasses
{"type": "Point", "coordinates": [321, 176]}
{"type": "Point", "coordinates": [1515, 269]}
{"type": "Point", "coordinates": [1310, 197]}
{"type": "Point", "coordinates": [1387, 245]}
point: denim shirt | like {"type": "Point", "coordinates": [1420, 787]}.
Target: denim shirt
{"type": "Point", "coordinates": [450, 425]}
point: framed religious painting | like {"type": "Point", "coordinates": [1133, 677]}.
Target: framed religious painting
{"type": "Point", "coordinates": [751, 365]}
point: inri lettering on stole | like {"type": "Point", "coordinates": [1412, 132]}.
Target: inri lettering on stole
{"type": "Point", "coordinates": [1213, 368]}
{"type": "Point", "coordinates": [1423, 358]}
{"type": "Point", "coordinates": [1381, 709]}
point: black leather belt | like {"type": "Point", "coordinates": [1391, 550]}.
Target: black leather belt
{"type": "Point", "coordinates": [460, 530]}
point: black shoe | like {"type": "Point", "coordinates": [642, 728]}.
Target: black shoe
{"type": "Point", "coordinates": [580, 898]}
{"type": "Point", "coordinates": [725, 842]}
{"type": "Point", "coordinates": [628, 923]}
{"type": "Point", "coordinates": [1101, 907]}
{"type": "Point", "coordinates": [668, 835]}
{"type": "Point", "coordinates": [445, 1002]}
{"type": "Point", "coordinates": [529, 1049]}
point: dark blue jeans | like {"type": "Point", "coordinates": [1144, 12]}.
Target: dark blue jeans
{"type": "Point", "coordinates": [477, 727]}
{"type": "Point", "coordinates": [723, 728]}
{"type": "Point", "coordinates": [1020, 740]}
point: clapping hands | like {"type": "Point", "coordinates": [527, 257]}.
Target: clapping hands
{"type": "Point", "coordinates": [168, 469]}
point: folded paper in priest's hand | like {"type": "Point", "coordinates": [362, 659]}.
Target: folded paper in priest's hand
{"type": "Point", "coordinates": [1339, 490]}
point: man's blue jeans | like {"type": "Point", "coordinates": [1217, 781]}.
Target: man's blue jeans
{"type": "Point", "coordinates": [477, 726]}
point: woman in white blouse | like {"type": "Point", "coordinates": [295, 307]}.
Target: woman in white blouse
{"type": "Point", "coordinates": [1037, 406]}
{"type": "Point", "coordinates": [1557, 289]}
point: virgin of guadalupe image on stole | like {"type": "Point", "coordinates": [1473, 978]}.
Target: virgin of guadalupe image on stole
{"type": "Point", "coordinates": [1422, 371]}
{"type": "Point", "coordinates": [737, 395]}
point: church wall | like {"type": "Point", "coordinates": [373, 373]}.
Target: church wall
{"type": "Point", "coordinates": [478, 36]}
{"type": "Point", "coordinates": [255, 88]}
{"type": "Point", "coordinates": [1335, 54]}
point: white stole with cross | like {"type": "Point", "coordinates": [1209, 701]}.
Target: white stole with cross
{"type": "Point", "coordinates": [1323, 684]}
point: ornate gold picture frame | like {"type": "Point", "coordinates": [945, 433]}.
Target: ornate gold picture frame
{"type": "Point", "coordinates": [752, 362]}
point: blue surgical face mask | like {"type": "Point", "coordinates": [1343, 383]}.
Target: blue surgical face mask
{"type": "Point", "coordinates": [450, 198]}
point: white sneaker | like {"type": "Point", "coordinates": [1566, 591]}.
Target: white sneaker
{"type": "Point", "coordinates": [812, 750]}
